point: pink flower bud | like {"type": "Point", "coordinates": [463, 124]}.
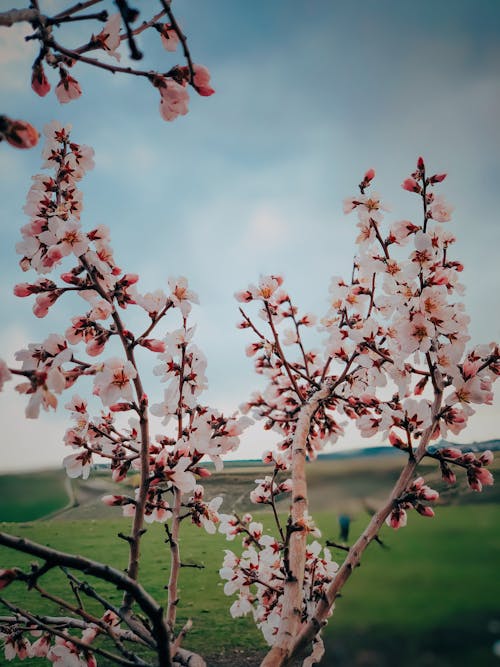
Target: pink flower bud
{"type": "Point", "coordinates": [411, 185]}
{"type": "Point", "coordinates": [420, 163]}
{"type": "Point", "coordinates": [244, 296]}
{"type": "Point", "coordinates": [18, 133]}
{"type": "Point", "coordinates": [251, 349]}
{"type": "Point", "coordinates": [121, 407]}
{"type": "Point", "coordinates": [397, 518]}
{"type": "Point", "coordinates": [201, 81]}
{"type": "Point", "coordinates": [95, 346]}
{"type": "Point", "coordinates": [450, 452]}
{"type": "Point", "coordinates": [39, 82]}
{"type": "Point", "coordinates": [447, 474]}
{"type": "Point", "coordinates": [70, 278]}
{"type": "Point", "coordinates": [424, 510]}
{"type": "Point", "coordinates": [22, 289]}
{"type": "Point", "coordinates": [68, 88]}
{"type": "Point", "coordinates": [113, 501]}
{"type": "Point", "coordinates": [486, 458]}
{"type": "Point", "coordinates": [42, 305]}
{"type": "Point", "coordinates": [396, 441]}
{"type": "Point", "coordinates": [428, 494]}
{"type": "Point", "coordinates": [437, 178]}
{"type": "Point", "coordinates": [369, 175]}
{"type": "Point", "coordinates": [153, 344]}
{"type": "Point", "coordinates": [267, 456]}
{"type": "Point", "coordinates": [129, 279]}
{"type": "Point", "coordinates": [420, 386]}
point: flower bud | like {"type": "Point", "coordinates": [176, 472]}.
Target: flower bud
{"type": "Point", "coordinates": [39, 81]}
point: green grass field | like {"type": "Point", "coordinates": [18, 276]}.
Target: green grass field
{"type": "Point", "coordinates": [431, 595]}
{"type": "Point", "coordinates": [431, 599]}
{"type": "Point", "coordinates": [26, 497]}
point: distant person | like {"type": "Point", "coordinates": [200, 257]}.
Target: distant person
{"type": "Point", "coordinates": [344, 525]}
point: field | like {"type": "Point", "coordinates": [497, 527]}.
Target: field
{"type": "Point", "coordinates": [430, 599]}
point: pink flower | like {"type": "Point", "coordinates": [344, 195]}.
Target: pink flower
{"type": "Point", "coordinates": [40, 648]}
{"type": "Point", "coordinates": [416, 334]}
{"type": "Point", "coordinates": [109, 37]}
{"type": "Point", "coordinates": [440, 210]}
{"type": "Point", "coordinates": [201, 80]}
{"type": "Point", "coordinates": [113, 382]}
{"type": "Point", "coordinates": [174, 99]}
{"type": "Point", "coordinates": [68, 88]}
{"type": "Point", "coordinates": [182, 297]}
{"type": "Point", "coordinates": [169, 37]}
{"type": "Point", "coordinates": [397, 518]}
{"type": "Point", "coordinates": [78, 465]}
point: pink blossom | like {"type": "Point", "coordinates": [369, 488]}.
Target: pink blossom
{"type": "Point", "coordinates": [40, 648]}
{"type": "Point", "coordinates": [169, 37]}
{"type": "Point", "coordinates": [109, 37]}
{"type": "Point", "coordinates": [78, 465]}
{"type": "Point", "coordinates": [416, 334]}
{"type": "Point", "coordinates": [64, 654]}
{"type": "Point", "coordinates": [174, 99]}
{"type": "Point", "coordinates": [113, 381]}
{"type": "Point", "coordinates": [397, 518]}
{"type": "Point", "coordinates": [201, 81]}
{"type": "Point", "coordinates": [16, 646]}
{"type": "Point", "coordinates": [181, 295]}
{"type": "Point", "coordinates": [68, 88]}
{"type": "Point", "coordinates": [440, 210]}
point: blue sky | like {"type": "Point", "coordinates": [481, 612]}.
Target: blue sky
{"type": "Point", "coordinates": [309, 95]}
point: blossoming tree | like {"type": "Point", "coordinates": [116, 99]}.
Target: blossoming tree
{"type": "Point", "coordinates": [120, 28]}
{"type": "Point", "coordinates": [394, 360]}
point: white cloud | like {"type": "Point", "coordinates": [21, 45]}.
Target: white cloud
{"type": "Point", "coordinates": [266, 228]}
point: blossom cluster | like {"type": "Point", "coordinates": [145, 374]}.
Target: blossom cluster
{"type": "Point", "coordinates": [394, 361]}
{"type": "Point", "coordinates": [257, 577]}
{"type": "Point", "coordinates": [395, 330]}
{"type": "Point", "coordinates": [172, 85]}
{"type": "Point", "coordinates": [66, 649]}
{"type": "Point", "coordinates": [97, 347]}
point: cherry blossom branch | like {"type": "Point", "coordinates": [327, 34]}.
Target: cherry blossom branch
{"type": "Point", "coordinates": [138, 521]}
{"type": "Point", "coordinates": [39, 623]}
{"type": "Point", "coordinates": [280, 353]}
{"type": "Point", "coordinates": [182, 39]}
{"type": "Point", "coordinates": [318, 620]}
{"type": "Point", "coordinates": [121, 581]}
{"type": "Point", "coordinates": [173, 534]}
{"type": "Point", "coordinates": [292, 598]}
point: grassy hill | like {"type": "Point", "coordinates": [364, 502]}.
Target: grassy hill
{"type": "Point", "coordinates": [430, 600]}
